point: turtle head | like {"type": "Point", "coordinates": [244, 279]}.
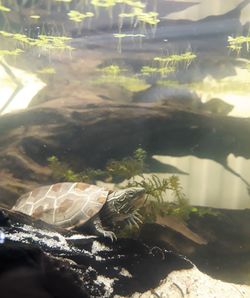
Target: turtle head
{"type": "Point", "coordinates": [126, 201]}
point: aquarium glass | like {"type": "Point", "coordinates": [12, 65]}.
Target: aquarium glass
{"type": "Point", "coordinates": [134, 93]}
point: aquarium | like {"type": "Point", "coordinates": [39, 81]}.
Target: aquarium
{"type": "Point", "coordinates": [124, 148]}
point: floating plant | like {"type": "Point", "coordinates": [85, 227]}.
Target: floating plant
{"type": "Point", "coordinates": [120, 36]}
{"type": "Point", "coordinates": [44, 42]}
{"type": "Point", "coordinates": [108, 4]}
{"type": "Point", "coordinates": [236, 43]}
{"type": "Point", "coordinates": [132, 83]}
{"type": "Point", "coordinates": [10, 52]}
{"type": "Point", "coordinates": [148, 70]}
{"type": "Point", "coordinates": [4, 8]}
{"type": "Point", "coordinates": [78, 17]}
{"type": "Point", "coordinates": [47, 70]}
{"type": "Point", "coordinates": [174, 59]}
{"type": "Point", "coordinates": [112, 70]}
{"type": "Point", "coordinates": [149, 18]}
{"type": "Point", "coordinates": [35, 17]}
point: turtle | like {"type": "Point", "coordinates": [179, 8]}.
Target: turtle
{"type": "Point", "coordinates": [76, 204]}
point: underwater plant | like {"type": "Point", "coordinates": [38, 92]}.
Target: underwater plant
{"type": "Point", "coordinates": [126, 169]}
{"type": "Point", "coordinates": [115, 170]}
{"type": "Point", "coordinates": [130, 170]}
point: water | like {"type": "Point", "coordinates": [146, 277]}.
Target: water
{"type": "Point", "coordinates": [87, 82]}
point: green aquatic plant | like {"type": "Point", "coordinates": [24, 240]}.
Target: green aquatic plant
{"type": "Point", "coordinates": [61, 171]}
{"type": "Point", "coordinates": [78, 17]}
{"type": "Point", "coordinates": [120, 36]}
{"type": "Point", "coordinates": [128, 170]}
{"type": "Point", "coordinates": [6, 34]}
{"type": "Point", "coordinates": [113, 74]}
{"type": "Point", "coordinates": [103, 3]}
{"type": "Point", "coordinates": [35, 17]}
{"type": "Point", "coordinates": [150, 18]}
{"type": "Point", "coordinates": [236, 43]}
{"type": "Point", "coordinates": [112, 70]}
{"type": "Point", "coordinates": [15, 52]}
{"type": "Point", "coordinates": [115, 170]}
{"type": "Point", "coordinates": [52, 42]}
{"type": "Point", "coordinates": [173, 60]}
{"type": "Point", "coordinates": [132, 3]}
{"type": "Point", "coordinates": [169, 83]}
{"type": "Point", "coordinates": [148, 70]}
{"type": "Point", "coordinates": [130, 83]}
{"type": "Point", "coordinates": [156, 188]}
{"type": "Point", "coordinates": [47, 70]}
{"type": "Point", "coordinates": [42, 42]}
{"type": "Point", "coordinates": [4, 8]}
{"type": "Point", "coordinates": [139, 16]}
{"type": "Point", "coordinates": [107, 4]}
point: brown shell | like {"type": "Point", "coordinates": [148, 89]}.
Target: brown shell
{"type": "Point", "coordinates": [63, 204]}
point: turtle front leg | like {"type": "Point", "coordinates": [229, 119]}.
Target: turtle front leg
{"type": "Point", "coordinates": [99, 229]}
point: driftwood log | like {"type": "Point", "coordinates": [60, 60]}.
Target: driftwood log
{"type": "Point", "coordinates": [88, 135]}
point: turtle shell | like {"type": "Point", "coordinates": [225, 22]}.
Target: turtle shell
{"type": "Point", "coordinates": [63, 204]}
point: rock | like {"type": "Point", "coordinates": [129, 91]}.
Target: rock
{"type": "Point", "coordinates": [43, 261]}
{"type": "Point", "coordinates": [41, 256]}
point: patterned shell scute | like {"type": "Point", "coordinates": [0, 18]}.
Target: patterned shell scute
{"type": "Point", "coordinates": [64, 204]}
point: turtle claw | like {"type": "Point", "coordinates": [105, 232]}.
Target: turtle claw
{"type": "Point", "coordinates": [110, 235]}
